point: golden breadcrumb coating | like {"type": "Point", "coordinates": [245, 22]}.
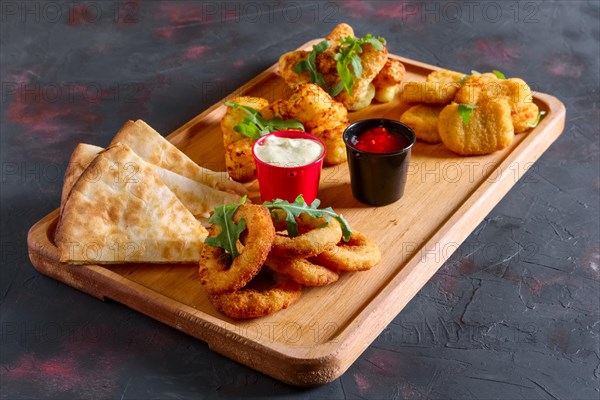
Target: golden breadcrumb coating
{"type": "Point", "coordinates": [423, 119]}
{"type": "Point", "coordinates": [490, 128]}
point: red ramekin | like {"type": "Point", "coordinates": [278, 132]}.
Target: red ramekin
{"type": "Point", "coordinates": [287, 182]}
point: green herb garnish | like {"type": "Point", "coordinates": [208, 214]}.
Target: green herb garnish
{"type": "Point", "coordinates": [254, 125]}
{"type": "Point", "coordinates": [230, 231]}
{"type": "Point", "coordinates": [310, 64]}
{"type": "Point", "coordinates": [498, 74]}
{"type": "Point", "coordinates": [348, 55]}
{"type": "Point", "coordinates": [465, 111]}
{"type": "Point", "coordinates": [300, 206]}
{"type": "Point", "coordinates": [537, 121]}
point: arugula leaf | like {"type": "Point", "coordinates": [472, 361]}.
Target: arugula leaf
{"type": "Point", "coordinates": [465, 111]}
{"type": "Point", "coordinates": [277, 124]}
{"type": "Point", "coordinates": [498, 74]}
{"type": "Point", "coordinates": [537, 121]}
{"type": "Point", "coordinates": [337, 89]}
{"type": "Point", "coordinates": [356, 65]}
{"type": "Point", "coordinates": [230, 231]}
{"type": "Point", "coordinates": [254, 125]}
{"type": "Point", "coordinates": [348, 55]}
{"type": "Point", "coordinates": [376, 43]}
{"type": "Point", "coordinates": [300, 206]}
{"type": "Point", "coordinates": [464, 78]}
{"type": "Point", "coordinates": [310, 64]}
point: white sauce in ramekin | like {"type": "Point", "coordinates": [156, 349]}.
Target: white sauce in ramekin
{"type": "Point", "coordinates": [281, 151]}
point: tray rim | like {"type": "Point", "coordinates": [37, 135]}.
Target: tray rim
{"type": "Point", "coordinates": [327, 360]}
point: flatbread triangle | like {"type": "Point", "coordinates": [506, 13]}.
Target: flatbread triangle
{"type": "Point", "coordinates": [119, 211]}
{"type": "Point", "coordinates": [199, 198]}
{"type": "Point", "coordinates": [155, 149]}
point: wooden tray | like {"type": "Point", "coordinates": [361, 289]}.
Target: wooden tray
{"type": "Point", "coordinates": [318, 338]}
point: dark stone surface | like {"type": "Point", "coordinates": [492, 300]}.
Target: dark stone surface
{"type": "Point", "coordinates": [513, 314]}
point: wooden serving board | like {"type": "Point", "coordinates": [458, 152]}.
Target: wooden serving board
{"type": "Point", "coordinates": [319, 337]}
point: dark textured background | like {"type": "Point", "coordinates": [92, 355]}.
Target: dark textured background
{"type": "Point", "coordinates": [513, 314]}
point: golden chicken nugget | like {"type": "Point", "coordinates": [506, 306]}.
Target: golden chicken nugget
{"type": "Point", "coordinates": [480, 87]}
{"type": "Point", "coordinates": [524, 116]}
{"type": "Point", "coordinates": [487, 87]}
{"type": "Point", "coordinates": [429, 92]}
{"type": "Point", "coordinates": [490, 128]}
{"type": "Point", "coordinates": [517, 91]}
{"type": "Point", "coordinates": [445, 76]}
{"type": "Point", "coordinates": [423, 119]}
{"type": "Point", "coordinates": [235, 117]}
{"type": "Point", "coordinates": [387, 82]}
{"type": "Point", "coordinates": [239, 161]}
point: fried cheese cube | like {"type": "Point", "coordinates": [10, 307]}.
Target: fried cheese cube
{"type": "Point", "coordinates": [233, 117]}
{"type": "Point", "coordinates": [387, 82]}
{"type": "Point", "coordinates": [239, 161]}
{"type": "Point", "coordinates": [286, 65]}
{"type": "Point", "coordinates": [423, 119]}
{"type": "Point", "coordinates": [489, 129]}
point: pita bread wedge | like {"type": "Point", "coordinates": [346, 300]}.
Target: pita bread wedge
{"type": "Point", "coordinates": [198, 198]}
{"type": "Point", "coordinates": [119, 211]}
{"type": "Point", "coordinates": [82, 156]}
{"type": "Point", "coordinates": [155, 149]}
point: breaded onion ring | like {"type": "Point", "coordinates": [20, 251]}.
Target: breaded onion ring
{"type": "Point", "coordinates": [217, 273]}
{"type": "Point", "coordinates": [358, 254]}
{"type": "Point", "coordinates": [250, 303]}
{"type": "Point", "coordinates": [303, 271]}
{"type": "Point", "coordinates": [316, 236]}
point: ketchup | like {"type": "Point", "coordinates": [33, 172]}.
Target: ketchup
{"type": "Point", "coordinates": [379, 140]}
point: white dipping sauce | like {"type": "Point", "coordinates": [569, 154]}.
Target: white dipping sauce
{"type": "Point", "coordinates": [288, 151]}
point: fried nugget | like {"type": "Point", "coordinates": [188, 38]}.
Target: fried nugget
{"type": "Point", "coordinates": [239, 160]}
{"type": "Point", "coordinates": [445, 76]}
{"type": "Point", "coordinates": [387, 82]}
{"type": "Point", "coordinates": [423, 119]}
{"type": "Point", "coordinates": [524, 116]}
{"type": "Point", "coordinates": [486, 87]}
{"type": "Point", "coordinates": [450, 81]}
{"type": "Point", "coordinates": [235, 117]}
{"type": "Point", "coordinates": [490, 128]}
{"type": "Point", "coordinates": [478, 88]}
{"type": "Point", "coordinates": [429, 92]}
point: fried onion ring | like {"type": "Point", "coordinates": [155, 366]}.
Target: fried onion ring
{"type": "Point", "coordinates": [316, 235]}
{"type": "Point", "coordinates": [250, 303]}
{"type": "Point", "coordinates": [303, 271]}
{"type": "Point", "coordinates": [217, 273]}
{"type": "Point", "coordinates": [358, 254]}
